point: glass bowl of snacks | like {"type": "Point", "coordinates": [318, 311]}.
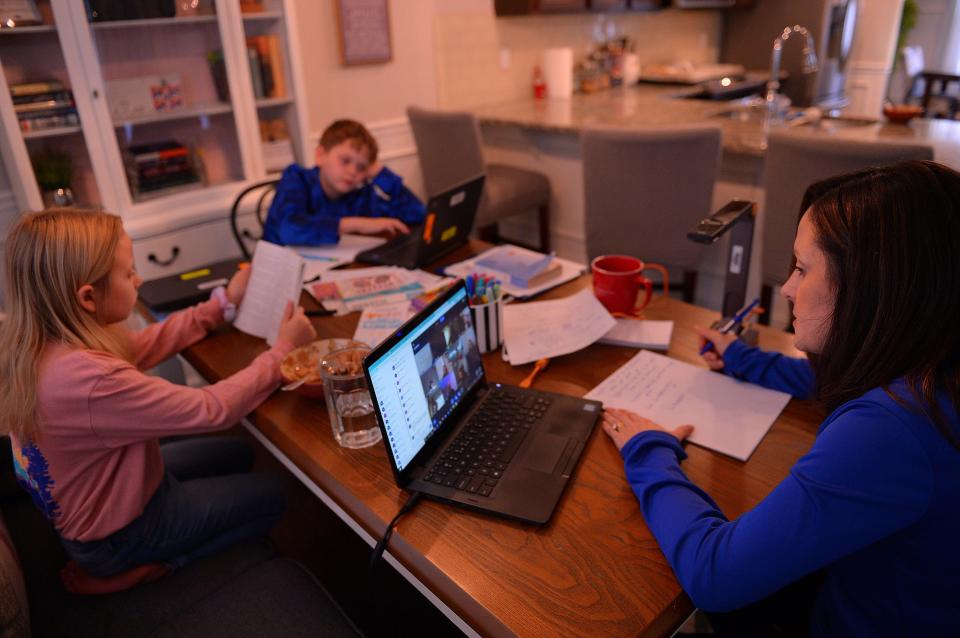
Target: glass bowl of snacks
{"type": "Point", "coordinates": [302, 365]}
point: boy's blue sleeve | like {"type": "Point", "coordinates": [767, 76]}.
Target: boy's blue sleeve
{"type": "Point", "coordinates": [769, 369]}
{"type": "Point", "coordinates": [292, 218]}
{"type": "Point", "coordinates": [388, 197]}
{"type": "Point", "coordinates": [865, 478]}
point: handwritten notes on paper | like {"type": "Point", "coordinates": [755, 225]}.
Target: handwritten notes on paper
{"type": "Point", "coordinates": [552, 328]}
{"type": "Point", "coordinates": [728, 415]}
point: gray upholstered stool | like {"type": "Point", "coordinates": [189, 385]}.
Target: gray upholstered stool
{"type": "Point", "coordinates": [792, 163]}
{"type": "Point", "coordinates": [448, 145]}
{"type": "Point", "coordinates": [645, 189]}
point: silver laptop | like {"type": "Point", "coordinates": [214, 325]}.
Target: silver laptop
{"type": "Point", "coordinates": [452, 436]}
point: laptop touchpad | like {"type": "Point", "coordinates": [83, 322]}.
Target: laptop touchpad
{"type": "Point", "coordinates": [544, 453]}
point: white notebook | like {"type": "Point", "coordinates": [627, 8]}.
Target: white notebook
{"type": "Point", "coordinates": [728, 415]}
{"type": "Point", "coordinates": [277, 277]}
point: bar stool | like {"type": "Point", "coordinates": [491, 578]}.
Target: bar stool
{"type": "Point", "coordinates": [645, 189]}
{"type": "Point", "coordinates": [793, 163]}
{"type": "Point", "coordinates": [448, 145]}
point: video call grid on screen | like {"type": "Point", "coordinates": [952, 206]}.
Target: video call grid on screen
{"type": "Point", "coordinates": [425, 376]}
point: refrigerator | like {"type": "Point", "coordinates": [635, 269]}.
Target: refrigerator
{"type": "Point", "coordinates": [748, 36]}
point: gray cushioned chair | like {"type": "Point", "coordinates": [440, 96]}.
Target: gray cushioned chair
{"type": "Point", "coordinates": [793, 163]}
{"type": "Point", "coordinates": [645, 189]}
{"type": "Point", "coordinates": [449, 148]}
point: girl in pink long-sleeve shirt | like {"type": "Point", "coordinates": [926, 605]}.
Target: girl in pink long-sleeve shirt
{"type": "Point", "coordinates": [85, 420]}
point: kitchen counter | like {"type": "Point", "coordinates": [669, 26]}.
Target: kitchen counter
{"type": "Point", "coordinates": [654, 105]}
{"type": "Point", "coordinates": [543, 135]}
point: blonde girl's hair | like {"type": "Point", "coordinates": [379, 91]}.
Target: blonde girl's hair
{"type": "Point", "coordinates": [49, 256]}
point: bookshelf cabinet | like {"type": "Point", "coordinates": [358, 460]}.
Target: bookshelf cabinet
{"type": "Point", "coordinates": [195, 78]}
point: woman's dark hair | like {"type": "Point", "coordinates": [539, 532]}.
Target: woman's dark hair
{"type": "Point", "coordinates": [891, 236]}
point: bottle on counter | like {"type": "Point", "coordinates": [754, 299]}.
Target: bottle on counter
{"type": "Point", "coordinates": [539, 85]}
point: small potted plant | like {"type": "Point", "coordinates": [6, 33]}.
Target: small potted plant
{"type": "Point", "coordinates": [54, 171]}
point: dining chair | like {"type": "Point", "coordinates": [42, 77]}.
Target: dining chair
{"type": "Point", "coordinates": [645, 189]}
{"type": "Point", "coordinates": [450, 153]}
{"type": "Point", "coordinates": [793, 163]}
{"type": "Point", "coordinates": [259, 195]}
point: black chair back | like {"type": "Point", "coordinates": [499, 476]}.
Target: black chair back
{"type": "Point", "coordinates": [261, 194]}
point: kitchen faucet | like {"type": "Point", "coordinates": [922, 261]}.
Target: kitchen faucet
{"type": "Point", "coordinates": [809, 61]}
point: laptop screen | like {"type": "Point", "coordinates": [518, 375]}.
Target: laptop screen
{"type": "Point", "coordinates": [425, 375]}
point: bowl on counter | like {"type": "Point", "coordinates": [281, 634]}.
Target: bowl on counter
{"type": "Point", "coordinates": [901, 113]}
{"type": "Point", "coordinates": [305, 361]}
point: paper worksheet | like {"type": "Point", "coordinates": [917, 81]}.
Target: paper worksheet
{"type": "Point", "coordinates": [320, 259]}
{"type": "Point", "coordinates": [277, 277]}
{"type": "Point", "coordinates": [379, 322]}
{"type": "Point", "coordinates": [552, 328]}
{"type": "Point", "coordinates": [728, 415]}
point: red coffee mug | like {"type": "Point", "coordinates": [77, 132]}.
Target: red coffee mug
{"type": "Point", "coordinates": [617, 280]}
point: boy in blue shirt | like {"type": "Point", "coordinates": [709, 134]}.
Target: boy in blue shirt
{"type": "Point", "coordinates": [348, 191]}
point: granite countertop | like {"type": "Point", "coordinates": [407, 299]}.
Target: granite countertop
{"type": "Point", "coordinates": [654, 105]}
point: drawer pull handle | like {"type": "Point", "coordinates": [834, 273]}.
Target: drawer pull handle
{"type": "Point", "coordinates": [174, 253]}
{"type": "Point", "coordinates": [248, 235]}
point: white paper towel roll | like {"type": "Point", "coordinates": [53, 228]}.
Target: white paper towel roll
{"type": "Point", "coordinates": [558, 72]}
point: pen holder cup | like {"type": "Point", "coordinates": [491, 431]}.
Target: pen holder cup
{"type": "Point", "coordinates": [488, 323]}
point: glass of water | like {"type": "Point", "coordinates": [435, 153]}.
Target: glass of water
{"type": "Point", "coordinates": [351, 411]}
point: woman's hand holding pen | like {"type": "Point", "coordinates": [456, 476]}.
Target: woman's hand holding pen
{"type": "Point", "coordinates": [623, 425]}
{"type": "Point", "coordinates": [720, 341]}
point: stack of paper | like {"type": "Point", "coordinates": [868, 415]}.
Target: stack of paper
{"type": "Point", "coordinates": [728, 415]}
{"type": "Point", "coordinates": [546, 329]}
{"type": "Point", "coordinates": [320, 259]}
{"type": "Point", "coordinates": [640, 333]}
{"type": "Point", "coordinates": [379, 322]}
{"type": "Point", "coordinates": [356, 289]}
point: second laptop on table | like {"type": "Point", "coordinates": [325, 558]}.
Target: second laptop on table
{"type": "Point", "coordinates": [446, 226]}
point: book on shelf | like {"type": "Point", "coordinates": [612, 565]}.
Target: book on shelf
{"type": "Point", "coordinates": [266, 66]}
{"type": "Point", "coordinates": [251, 6]}
{"type": "Point", "coordinates": [154, 167]}
{"type": "Point", "coordinates": [36, 88]}
{"type": "Point", "coordinates": [43, 105]}
{"type": "Point", "coordinates": [519, 266]}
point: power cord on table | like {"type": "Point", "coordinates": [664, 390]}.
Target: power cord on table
{"type": "Point", "coordinates": [382, 544]}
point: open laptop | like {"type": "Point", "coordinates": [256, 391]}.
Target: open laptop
{"type": "Point", "coordinates": [187, 288]}
{"type": "Point", "coordinates": [452, 436]}
{"type": "Point", "coordinates": [446, 226]}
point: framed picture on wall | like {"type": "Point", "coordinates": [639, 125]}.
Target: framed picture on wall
{"type": "Point", "coordinates": [364, 30]}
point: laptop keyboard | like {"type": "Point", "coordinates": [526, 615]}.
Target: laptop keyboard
{"type": "Point", "coordinates": [479, 454]}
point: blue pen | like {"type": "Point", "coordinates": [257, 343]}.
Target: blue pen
{"type": "Point", "coordinates": [469, 285]}
{"type": "Point", "coordinates": [730, 325]}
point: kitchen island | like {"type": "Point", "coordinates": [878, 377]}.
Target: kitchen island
{"type": "Point", "coordinates": [543, 135]}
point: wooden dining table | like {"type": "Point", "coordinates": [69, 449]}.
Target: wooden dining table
{"type": "Point", "coordinates": [593, 570]}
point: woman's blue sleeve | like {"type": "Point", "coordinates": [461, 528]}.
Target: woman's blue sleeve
{"type": "Point", "coordinates": [865, 478]}
{"type": "Point", "coordinates": [769, 369]}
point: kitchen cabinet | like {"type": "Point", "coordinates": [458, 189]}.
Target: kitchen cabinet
{"type": "Point", "coordinates": [230, 93]}
{"type": "Point", "coordinates": [532, 7]}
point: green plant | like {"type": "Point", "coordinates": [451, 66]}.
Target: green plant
{"type": "Point", "coordinates": [53, 169]}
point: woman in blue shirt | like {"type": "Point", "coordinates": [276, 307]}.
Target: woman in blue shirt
{"type": "Point", "coordinates": [870, 515]}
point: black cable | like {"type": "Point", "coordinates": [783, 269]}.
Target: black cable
{"type": "Point", "coordinates": [382, 544]}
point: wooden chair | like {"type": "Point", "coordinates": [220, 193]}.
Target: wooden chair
{"type": "Point", "coordinates": [934, 91]}
{"type": "Point", "coordinates": [645, 189]}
